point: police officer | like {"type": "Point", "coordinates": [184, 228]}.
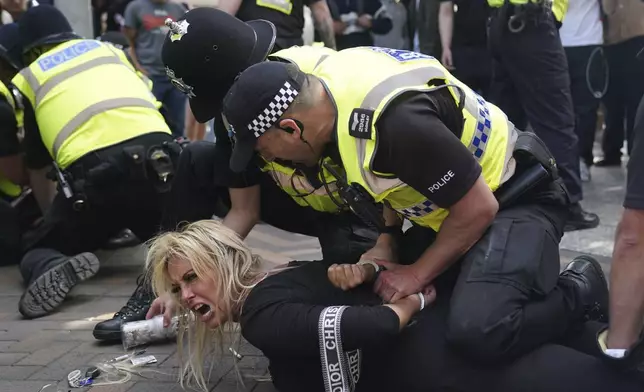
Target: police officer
{"type": "Point", "coordinates": [531, 84]}
{"type": "Point", "coordinates": [411, 136]}
{"type": "Point", "coordinates": [18, 208]}
{"type": "Point", "coordinates": [203, 53]}
{"type": "Point", "coordinates": [90, 116]}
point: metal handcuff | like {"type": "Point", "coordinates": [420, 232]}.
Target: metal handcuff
{"type": "Point", "coordinates": [517, 22]}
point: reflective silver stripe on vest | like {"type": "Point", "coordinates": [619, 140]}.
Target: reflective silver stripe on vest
{"type": "Point", "coordinates": [301, 186]}
{"type": "Point", "coordinates": [477, 148]}
{"type": "Point", "coordinates": [477, 108]}
{"type": "Point", "coordinates": [87, 113]}
{"type": "Point", "coordinates": [41, 91]}
{"type": "Point", "coordinates": [321, 59]}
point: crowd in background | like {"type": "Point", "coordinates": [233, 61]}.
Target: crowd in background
{"type": "Point", "coordinates": [603, 39]}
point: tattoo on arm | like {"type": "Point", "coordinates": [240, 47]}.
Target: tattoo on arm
{"type": "Point", "coordinates": [324, 23]}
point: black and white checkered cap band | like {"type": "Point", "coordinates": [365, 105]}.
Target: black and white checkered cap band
{"type": "Point", "coordinates": [269, 116]}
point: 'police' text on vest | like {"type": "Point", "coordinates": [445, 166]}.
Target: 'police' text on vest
{"type": "Point", "coordinates": [67, 54]}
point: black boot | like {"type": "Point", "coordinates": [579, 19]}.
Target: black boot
{"type": "Point", "coordinates": [134, 310]}
{"type": "Point", "coordinates": [48, 289]}
{"type": "Point", "coordinates": [123, 239]}
{"type": "Point", "coordinates": [578, 219]}
{"type": "Point", "coordinates": [585, 274]}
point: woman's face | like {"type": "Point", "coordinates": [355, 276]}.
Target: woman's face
{"type": "Point", "coordinates": [198, 295]}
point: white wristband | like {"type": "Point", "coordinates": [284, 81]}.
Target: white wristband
{"type": "Point", "coordinates": [422, 300]}
{"type": "Point", "coordinates": [373, 264]}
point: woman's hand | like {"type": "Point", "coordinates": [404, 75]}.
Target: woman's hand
{"type": "Point", "coordinates": [408, 306]}
{"type": "Point", "coordinates": [348, 276]}
{"type": "Point", "coordinates": [165, 305]}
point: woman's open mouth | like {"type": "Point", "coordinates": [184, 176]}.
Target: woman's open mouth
{"type": "Point", "coordinates": [204, 311]}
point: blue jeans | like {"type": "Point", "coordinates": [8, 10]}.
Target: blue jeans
{"type": "Point", "coordinates": [174, 103]}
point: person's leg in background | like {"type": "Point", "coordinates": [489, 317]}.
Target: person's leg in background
{"type": "Point", "coordinates": [536, 63]}
{"type": "Point", "coordinates": [173, 102]}
{"type": "Point", "coordinates": [615, 104]}
{"type": "Point", "coordinates": [584, 102]}
{"type": "Point", "coordinates": [194, 130]}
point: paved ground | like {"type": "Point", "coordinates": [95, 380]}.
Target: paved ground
{"type": "Point", "coordinates": [39, 352]}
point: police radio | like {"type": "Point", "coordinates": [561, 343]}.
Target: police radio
{"type": "Point", "coordinates": [358, 200]}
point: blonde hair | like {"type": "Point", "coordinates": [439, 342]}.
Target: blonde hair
{"type": "Point", "coordinates": [215, 253]}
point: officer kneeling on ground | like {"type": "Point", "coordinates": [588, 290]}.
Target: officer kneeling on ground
{"type": "Point", "coordinates": [89, 115]}
{"type": "Point", "coordinates": [409, 135]}
{"type": "Point", "coordinates": [203, 53]}
{"type": "Point", "coordinates": [18, 207]}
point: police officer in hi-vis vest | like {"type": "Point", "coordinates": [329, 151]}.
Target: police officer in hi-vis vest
{"type": "Point", "coordinates": [18, 207]}
{"type": "Point", "coordinates": [531, 85]}
{"type": "Point", "coordinates": [89, 115]}
{"type": "Point", "coordinates": [485, 201]}
{"type": "Point", "coordinates": [203, 53]}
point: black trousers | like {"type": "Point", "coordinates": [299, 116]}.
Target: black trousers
{"type": "Point", "coordinates": [473, 66]}
{"type": "Point", "coordinates": [530, 83]}
{"type": "Point", "coordinates": [199, 192]}
{"type": "Point", "coordinates": [625, 89]}
{"type": "Point", "coordinates": [506, 296]}
{"type": "Point", "coordinates": [15, 221]}
{"type": "Point", "coordinates": [584, 102]}
{"type": "Point", "coordinates": [426, 361]}
{"type": "Point", "coordinates": [125, 201]}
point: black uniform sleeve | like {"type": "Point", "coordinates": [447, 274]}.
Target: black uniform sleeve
{"type": "Point", "coordinates": [9, 144]}
{"type": "Point", "coordinates": [635, 174]}
{"type": "Point", "coordinates": [36, 154]}
{"type": "Point", "coordinates": [419, 142]}
{"type": "Point", "coordinates": [281, 315]}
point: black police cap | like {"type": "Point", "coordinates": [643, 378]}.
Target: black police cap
{"type": "Point", "coordinates": [206, 49]}
{"type": "Point", "coordinates": [10, 49]}
{"type": "Point", "coordinates": [42, 25]}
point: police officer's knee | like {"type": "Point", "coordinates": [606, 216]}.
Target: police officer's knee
{"type": "Point", "coordinates": [476, 337]}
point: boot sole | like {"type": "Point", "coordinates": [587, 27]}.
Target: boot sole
{"type": "Point", "coordinates": [47, 292]}
{"type": "Point", "coordinates": [598, 269]}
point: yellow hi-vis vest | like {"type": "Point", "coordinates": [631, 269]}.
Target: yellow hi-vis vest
{"type": "Point", "coordinates": [7, 187]}
{"type": "Point", "coordinates": [87, 96]}
{"type": "Point", "coordinates": [559, 7]}
{"type": "Point", "coordinates": [363, 91]}
{"type": "Point", "coordinates": [288, 179]}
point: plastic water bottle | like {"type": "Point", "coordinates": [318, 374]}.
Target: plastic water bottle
{"type": "Point", "coordinates": [137, 333]}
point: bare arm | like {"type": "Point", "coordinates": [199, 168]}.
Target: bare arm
{"type": "Point", "coordinates": [446, 29]}
{"type": "Point", "coordinates": [323, 22]}
{"type": "Point", "coordinates": [229, 6]}
{"type": "Point", "coordinates": [627, 281]}
{"type": "Point", "coordinates": [13, 168]}
{"type": "Point", "coordinates": [244, 210]}
{"type": "Point", "coordinates": [467, 221]}
{"type": "Point", "coordinates": [130, 34]}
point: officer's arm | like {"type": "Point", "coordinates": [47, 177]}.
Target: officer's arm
{"type": "Point", "coordinates": [418, 144]}
{"type": "Point", "coordinates": [244, 210]}
{"type": "Point", "coordinates": [464, 226]}
{"type": "Point", "coordinates": [229, 6]}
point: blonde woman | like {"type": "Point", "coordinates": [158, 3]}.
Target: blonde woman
{"type": "Point", "coordinates": [325, 330]}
